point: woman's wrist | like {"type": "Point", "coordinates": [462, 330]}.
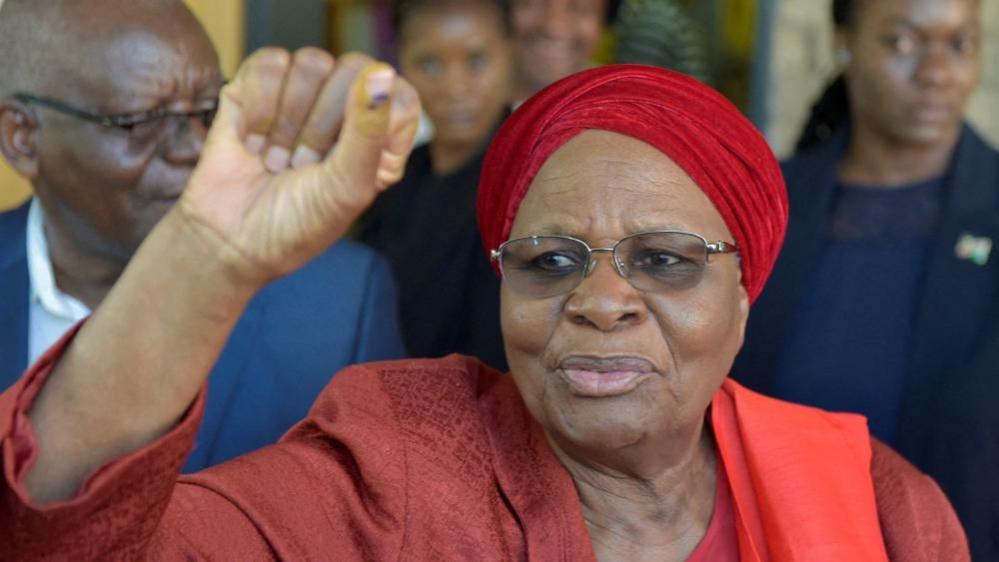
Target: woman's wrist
{"type": "Point", "coordinates": [218, 259]}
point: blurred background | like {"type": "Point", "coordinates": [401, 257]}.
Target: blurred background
{"type": "Point", "coordinates": [770, 57]}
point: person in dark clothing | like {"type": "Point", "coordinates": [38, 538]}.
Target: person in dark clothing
{"type": "Point", "coordinates": [884, 299]}
{"type": "Point", "coordinates": [457, 55]}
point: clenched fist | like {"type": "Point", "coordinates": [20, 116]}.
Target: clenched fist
{"type": "Point", "coordinates": [301, 145]}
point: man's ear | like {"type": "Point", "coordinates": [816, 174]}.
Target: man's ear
{"type": "Point", "coordinates": [17, 137]}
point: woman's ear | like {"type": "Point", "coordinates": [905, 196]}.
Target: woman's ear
{"type": "Point", "coordinates": [843, 55]}
{"type": "Point", "coordinates": [17, 137]}
{"type": "Point", "coordinates": [743, 317]}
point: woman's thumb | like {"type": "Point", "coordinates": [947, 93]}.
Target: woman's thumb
{"type": "Point", "coordinates": [365, 131]}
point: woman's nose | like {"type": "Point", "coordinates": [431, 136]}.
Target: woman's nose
{"type": "Point", "coordinates": [458, 82]}
{"type": "Point", "coordinates": [605, 300]}
{"type": "Point", "coordinates": [936, 67]}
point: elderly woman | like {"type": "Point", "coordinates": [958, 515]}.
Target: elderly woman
{"type": "Point", "coordinates": [884, 299]}
{"type": "Point", "coordinates": [634, 214]}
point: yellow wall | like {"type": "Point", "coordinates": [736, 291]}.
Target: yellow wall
{"type": "Point", "coordinates": [13, 190]}
{"type": "Point", "coordinates": [224, 21]}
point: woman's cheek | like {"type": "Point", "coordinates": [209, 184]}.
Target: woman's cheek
{"type": "Point", "coordinates": [528, 324]}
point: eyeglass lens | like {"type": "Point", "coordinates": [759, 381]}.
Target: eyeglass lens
{"type": "Point", "coordinates": [153, 127]}
{"type": "Point", "coordinates": [545, 266]}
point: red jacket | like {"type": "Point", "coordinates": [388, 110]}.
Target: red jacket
{"type": "Point", "coordinates": [439, 460]}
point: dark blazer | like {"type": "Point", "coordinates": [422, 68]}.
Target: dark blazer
{"type": "Point", "coordinates": [337, 310]}
{"type": "Point", "coordinates": [949, 424]}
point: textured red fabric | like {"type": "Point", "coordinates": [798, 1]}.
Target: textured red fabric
{"type": "Point", "coordinates": [689, 122]}
{"type": "Point", "coordinates": [906, 501]}
{"type": "Point", "coordinates": [440, 460]}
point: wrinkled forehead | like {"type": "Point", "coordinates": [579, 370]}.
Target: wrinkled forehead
{"type": "Point", "coordinates": [141, 56]}
{"type": "Point", "coordinates": [601, 182]}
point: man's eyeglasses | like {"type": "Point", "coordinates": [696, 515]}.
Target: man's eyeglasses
{"type": "Point", "coordinates": [658, 261]}
{"type": "Point", "coordinates": [141, 126]}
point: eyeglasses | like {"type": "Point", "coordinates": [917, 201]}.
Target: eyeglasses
{"type": "Point", "coordinates": [143, 126]}
{"type": "Point", "coordinates": [658, 261]}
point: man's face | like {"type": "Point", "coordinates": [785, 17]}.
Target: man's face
{"type": "Point", "coordinates": [107, 187]}
{"type": "Point", "coordinates": [554, 38]}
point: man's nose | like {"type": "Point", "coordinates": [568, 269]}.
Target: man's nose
{"type": "Point", "coordinates": [185, 139]}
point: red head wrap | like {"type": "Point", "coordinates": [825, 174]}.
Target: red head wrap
{"type": "Point", "coordinates": [689, 122]}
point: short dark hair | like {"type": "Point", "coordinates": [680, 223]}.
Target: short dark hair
{"type": "Point", "coordinates": [832, 110]}
{"type": "Point", "coordinates": [844, 12]}
{"type": "Point", "coordinates": [402, 10]}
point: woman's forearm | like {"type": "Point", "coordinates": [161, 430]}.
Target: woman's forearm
{"type": "Point", "coordinates": [137, 364]}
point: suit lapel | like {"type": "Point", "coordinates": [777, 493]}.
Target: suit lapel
{"type": "Point", "coordinates": [956, 291]}
{"type": "Point", "coordinates": [13, 315]}
{"type": "Point", "coordinates": [14, 295]}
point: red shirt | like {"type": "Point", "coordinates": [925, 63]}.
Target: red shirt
{"type": "Point", "coordinates": [720, 542]}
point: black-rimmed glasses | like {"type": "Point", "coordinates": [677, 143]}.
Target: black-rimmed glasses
{"type": "Point", "coordinates": [658, 261]}
{"type": "Point", "coordinates": [144, 125]}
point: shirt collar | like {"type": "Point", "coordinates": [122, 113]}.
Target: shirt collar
{"type": "Point", "coordinates": [43, 287]}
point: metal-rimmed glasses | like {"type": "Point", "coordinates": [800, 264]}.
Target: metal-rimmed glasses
{"type": "Point", "coordinates": [142, 126]}
{"type": "Point", "coordinates": [655, 261]}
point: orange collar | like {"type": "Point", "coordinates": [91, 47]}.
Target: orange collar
{"type": "Point", "coordinates": [800, 478]}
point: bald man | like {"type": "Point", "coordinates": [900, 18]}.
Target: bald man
{"type": "Point", "coordinates": [104, 107]}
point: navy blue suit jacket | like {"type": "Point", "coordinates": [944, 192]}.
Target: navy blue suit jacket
{"type": "Point", "coordinates": [949, 425]}
{"type": "Point", "coordinates": [337, 310]}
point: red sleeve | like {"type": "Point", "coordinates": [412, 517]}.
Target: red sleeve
{"type": "Point", "coordinates": [334, 487]}
{"type": "Point", "coordinates": [116, 511]}
{"type": "Point", "coordinates": [917, 521]}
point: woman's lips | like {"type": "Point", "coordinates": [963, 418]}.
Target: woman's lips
{"type": "Point", "coordinates": [932, 113]}
{"type": "Point", "coordinates": [602, 377]}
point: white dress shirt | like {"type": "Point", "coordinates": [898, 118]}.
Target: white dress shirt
{"type": "Point", "coordinates": [51, 313]}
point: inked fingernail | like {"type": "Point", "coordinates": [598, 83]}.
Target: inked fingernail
{"type": "Point", "coordinates": [304, 156]}
{"type": "Point", "coordinates": [378, 86]}
{"type": "Point", "coordinates": [277, 158]}
{"type": "Point", "coordinates": [255, 143]}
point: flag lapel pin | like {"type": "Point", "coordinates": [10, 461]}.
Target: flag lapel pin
{"type": "Point", "coordinates": [975, 249]}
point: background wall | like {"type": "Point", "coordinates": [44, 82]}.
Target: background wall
{"type": "Point", "coordinates": [271, 22]}
{"type": "Point", "coordinates": [799, 67]}
{"type": "Point", "coordinates": [224, 20]}
{"type": "Point", "coordinates": [802, 64]}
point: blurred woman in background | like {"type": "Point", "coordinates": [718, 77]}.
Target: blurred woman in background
{"type": "Point", "coordinates": [457, 55]}
{"type": "Point", "coordinates": [553, 39]}
{"type": "Point", "coordinates": [884, 300]}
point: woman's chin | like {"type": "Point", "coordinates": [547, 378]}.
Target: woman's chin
{"type": "Point", "coordinates": [603, 424]}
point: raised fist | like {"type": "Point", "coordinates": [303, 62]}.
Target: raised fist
{"type": "Point", "coordinates": [301, 145]}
